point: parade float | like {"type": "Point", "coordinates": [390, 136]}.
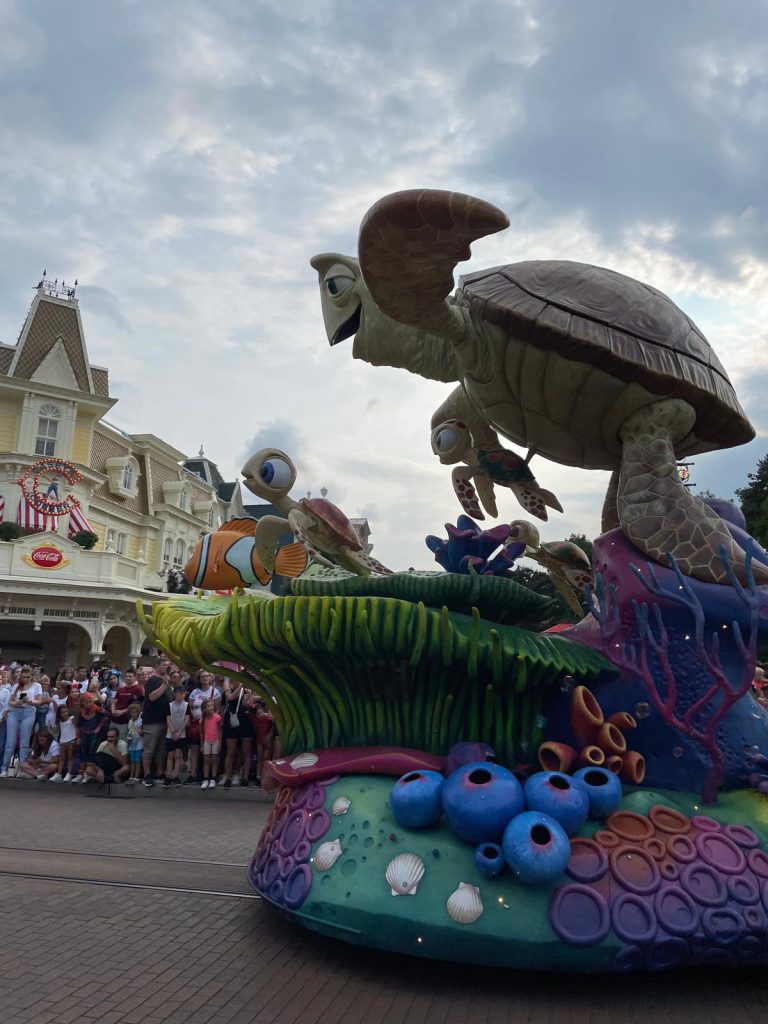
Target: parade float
{"type": "Point", "coordinates": [455, 782]}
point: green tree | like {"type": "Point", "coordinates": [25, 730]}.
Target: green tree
{"type": "Point", "coordinates": [754, 501]}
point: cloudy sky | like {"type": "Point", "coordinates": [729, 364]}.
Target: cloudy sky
{"type": "Point", "coordinates": [185, 159]}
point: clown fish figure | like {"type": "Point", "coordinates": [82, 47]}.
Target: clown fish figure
{"type": "Point", "coordinates": [227, 558]}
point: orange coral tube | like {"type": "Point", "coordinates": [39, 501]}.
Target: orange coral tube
{"type": "Point", "coordinates": [634, 768]}
{"type": "Point", "coordinates": [610, 739]}
{"type": "Point", "coordinates": [614, 764]}
{"type": "Point", "coordinates": [556, 757]}
{"type": "Point", "coordinates": [586, 716]}
{"type": "Point", "coordinates": [591, 757]}
{"type": "Point", "coordinates": [623, 720]}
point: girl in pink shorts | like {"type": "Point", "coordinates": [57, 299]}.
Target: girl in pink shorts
{"type": "Point", "coordinates": [210, 736]}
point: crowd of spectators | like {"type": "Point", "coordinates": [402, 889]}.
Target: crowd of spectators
{"type": "Point", "coordinates": [151, 725]}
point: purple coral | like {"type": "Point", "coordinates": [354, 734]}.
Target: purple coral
{"type": "Point", "coordinates": [471, 549]}
{"type": "Point", "coordinates": [279, 869]}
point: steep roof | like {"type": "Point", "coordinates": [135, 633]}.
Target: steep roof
{"type": "Point", "coordinates": [51, 321]}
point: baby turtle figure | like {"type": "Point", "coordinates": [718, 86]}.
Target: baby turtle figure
{"type": "Point", "coordinates": [487, 463]}
{"type": "Point", "coordinates": [317, 524]}
{"type": "Point", "coordinates": [568, 565]}
{"type": "Point", "coordinates": [583, 365]}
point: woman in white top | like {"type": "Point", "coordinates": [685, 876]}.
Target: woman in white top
{"type": "Point", "coordinates": [44, 760]}
{"type": "Point", "coordinates": [25, 699]}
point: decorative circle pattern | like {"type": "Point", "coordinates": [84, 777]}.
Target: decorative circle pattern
{"type": "Point", "coordinates": [280, 868]}
{"type": "Point", "coordinates": [675, 891]}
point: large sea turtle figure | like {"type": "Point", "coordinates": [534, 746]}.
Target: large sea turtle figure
{"type": "Point", "coordinates": [581, 364]}
{"type": "Point", "coordinates": [317, 524]}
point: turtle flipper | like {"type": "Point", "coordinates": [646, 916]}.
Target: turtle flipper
{"type": "Point", "coordinates": [535, 500]}
{"type": "Point", "coordinates": [268, 531]}
{"type": "Point", "coordinates": [486, 493]}
{"type": "Point", "coordinates": [567, 591]}
{"type": "Point", "coordinates": [465, 492]}
{"type": "Point", "coordinates": [410, 243]}
{"type": "Point", "coordinates": [360, 564]}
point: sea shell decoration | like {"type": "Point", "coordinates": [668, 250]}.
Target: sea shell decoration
{"type": "Point", "coordinates": [340, 805]}
{"type": "Point", "coordinates": [404, 873]}
{"type": "Point", "coordinates": [327, 855]}
{"type": "Point", "coordinates": [465, 905]}
{"type": "Point", "coordinates": [304, 761]}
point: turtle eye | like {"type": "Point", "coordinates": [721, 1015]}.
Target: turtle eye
{"type": "Point", "coordinates": [338, 285]}
{"type": "Point", "coordinates": [446, 439]}
{"type": "Point", "coordinates": [275, 473]}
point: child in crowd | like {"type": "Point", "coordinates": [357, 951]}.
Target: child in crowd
{"type": "Point", "coordinates": [264, 727]}
{"type": "Point", "coordinates": [92, 724]}
{"type": "Point", "coordinates": [59, 697]}
{"type": "Point", "coordinates": [135, 738]}
{"type": "Point", "coordinates": [210, 730]}
{"type": "Point", "coordinates": [67, 739]}
{"type": "Point", "coordinates": [176, 722]}
{"type": "Point", "coordinates": [44, 759]}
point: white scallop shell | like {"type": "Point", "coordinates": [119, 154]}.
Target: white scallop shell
{"type": "Point", "coordinates": [327, 855]}
{"type": "Point", "coordinates": [404, 874]}
{"type": "Point", "coordinates": [340, 805]}
{"type": "Point", "coordinates": [465, 905]}
{"type": "Point", "coordinates": [304, 761]}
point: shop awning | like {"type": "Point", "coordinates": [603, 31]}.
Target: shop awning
{"type": "Point", "coordinates": [29, 518]}
{"type": "Point", "coordinates": [78, 522]}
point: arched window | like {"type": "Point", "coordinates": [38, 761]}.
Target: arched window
{"type": "Point", "coordinates": [190, 551]}
{"type": "Point", "coordinates": [167, 551]}
{"type": "Point", "coordinates": [47, 430]}
{"type": "Point", "coordinates": [110, 542]}
{"type": "Point", "coordinates": [178, 558]}
{"type": "Point", "coordinates": [121, 543]}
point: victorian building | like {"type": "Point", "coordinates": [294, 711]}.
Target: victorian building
{"type": "Point", "coordinates": [67, 474]}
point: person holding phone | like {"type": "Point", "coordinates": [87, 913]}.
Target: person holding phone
{"type": "Point", "coordinates": [26, 696]}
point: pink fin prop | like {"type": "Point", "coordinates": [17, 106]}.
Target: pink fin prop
{"type": "Point", "coordinates": [394, 761]}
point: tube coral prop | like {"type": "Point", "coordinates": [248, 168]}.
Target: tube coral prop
{"type": "Point", "coordinates": [586, 716]}
{"type": "Point", "coordinates": [610, 739]}
{"type": "Point", "coordinates": [622, 720]}
{"type": "Point", "coordinates": [557, 757]}
{"type": "Point", "coordinates": [634, 768]}
{"type": "Point", "coordinates": [591, 756]}
{"type": "Point", "coordinates": [614, 763]}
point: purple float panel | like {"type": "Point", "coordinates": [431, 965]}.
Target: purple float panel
{"type": "Point", "coordinates": [633, 919]}
{"type": "Point", "coordinates": [579, 915]}
{"type": "Point", "coordinates": [704, 884]}
{"type": "Point", "coordinates": [676, 911]}
{"type": "Point", "coordinates": [706, 824]}
{"type": "Point", "coordinates": [723, 925]}
{"type": "Point", "coordinates": [743, 889]}
{"type": "Point", "coordinates": [720, 852]}
{"type": "Point", "coordinates": [742, 836]}
{"type": "Point", "coordinates": [317, 825]}
{"type": "Point", "coordinates": [682, 849]}
{"type": "Point", "coordinates": [635, 869]}
{"type": "Point", "coordinates": [758, 862]}
{"type": "Point", "coordinates": [297, 886]}
{"type": "Point", "coordinates": [589, 861]}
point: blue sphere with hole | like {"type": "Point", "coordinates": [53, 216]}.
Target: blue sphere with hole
{"type": "Point", "coordinates": [602, 788]}
{"type": "Point", "coordinates": [416, 799]}
{"type": "Point", "coordinates": [489, 859]}
{"type": "Point", "coordinates": [557, 795]}
{"type": "Point", "coordinates": [536, 848]}
{"type": "Point", "coordinates": [479, 799]}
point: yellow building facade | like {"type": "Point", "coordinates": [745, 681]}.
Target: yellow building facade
{"type": "Point", "coordinates": [146, 502]}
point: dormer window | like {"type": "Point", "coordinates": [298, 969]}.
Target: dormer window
{"type": "Point", "coordinates": [123, 473]}
{"type": "Point", "coordinates": [47, 430]}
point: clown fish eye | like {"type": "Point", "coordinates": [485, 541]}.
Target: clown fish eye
{"type": "Point", "coordinates": [446, 439]}
{"type": "Point", "coordinates": [275, 473]}
{"type": "Point", "coordinates": [338, 285]}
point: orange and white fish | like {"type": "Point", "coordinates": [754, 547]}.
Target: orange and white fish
{"type": "Point", "coordinates": [227, 558]}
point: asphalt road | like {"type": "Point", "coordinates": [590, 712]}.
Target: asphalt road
{"type": "Point", "coordinates": [137, 912]}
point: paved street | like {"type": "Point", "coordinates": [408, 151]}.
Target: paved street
{"type": "Point", "coordinates": [77, 946]}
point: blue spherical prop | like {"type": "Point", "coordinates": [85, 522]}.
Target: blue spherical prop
{"type": "Point", "coordinates": [467, 753]}
{"type": "Point", "coordinates": [557, 795]}
{"type": "Point", "coordinates": [416, 799]}
{"type": "Point", "coordinates": [536, 848]}
{"type": "Point", "coordinates": [489, 859]}
{"type": "Point", "coordinates": [479, 799]}
{"type": "Point", "coordinates": [603, 790]}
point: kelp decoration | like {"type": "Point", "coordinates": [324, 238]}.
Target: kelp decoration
{"type": "Point", "coordinates": [347, 670]}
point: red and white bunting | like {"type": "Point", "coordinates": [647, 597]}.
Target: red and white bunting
{"type": "Point", "coordinates": [2, 508]}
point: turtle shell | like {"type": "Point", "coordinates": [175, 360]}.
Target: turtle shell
{"type": "Point", "coordinates": [567, 552]}
{"type": "Point", "coordinates": [334, 521]}
{"type": "Point", "coordinates": [628, 329]}
{"type": "Point", "coordinates": [504, 466]}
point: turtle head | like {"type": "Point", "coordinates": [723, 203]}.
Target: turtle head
{"type": "Point", "coordinates": [342, 292]}
{"type": "Point", "coordinates": [269, 474]}
{"type": "Point", "coordinates": [451, 442]}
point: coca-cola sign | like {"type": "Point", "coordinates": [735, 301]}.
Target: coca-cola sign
{"type": "Point", "coordinates": [46, 557]}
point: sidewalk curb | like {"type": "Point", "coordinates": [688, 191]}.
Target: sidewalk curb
{"type": "Point", "coordinates": [120, 791]}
